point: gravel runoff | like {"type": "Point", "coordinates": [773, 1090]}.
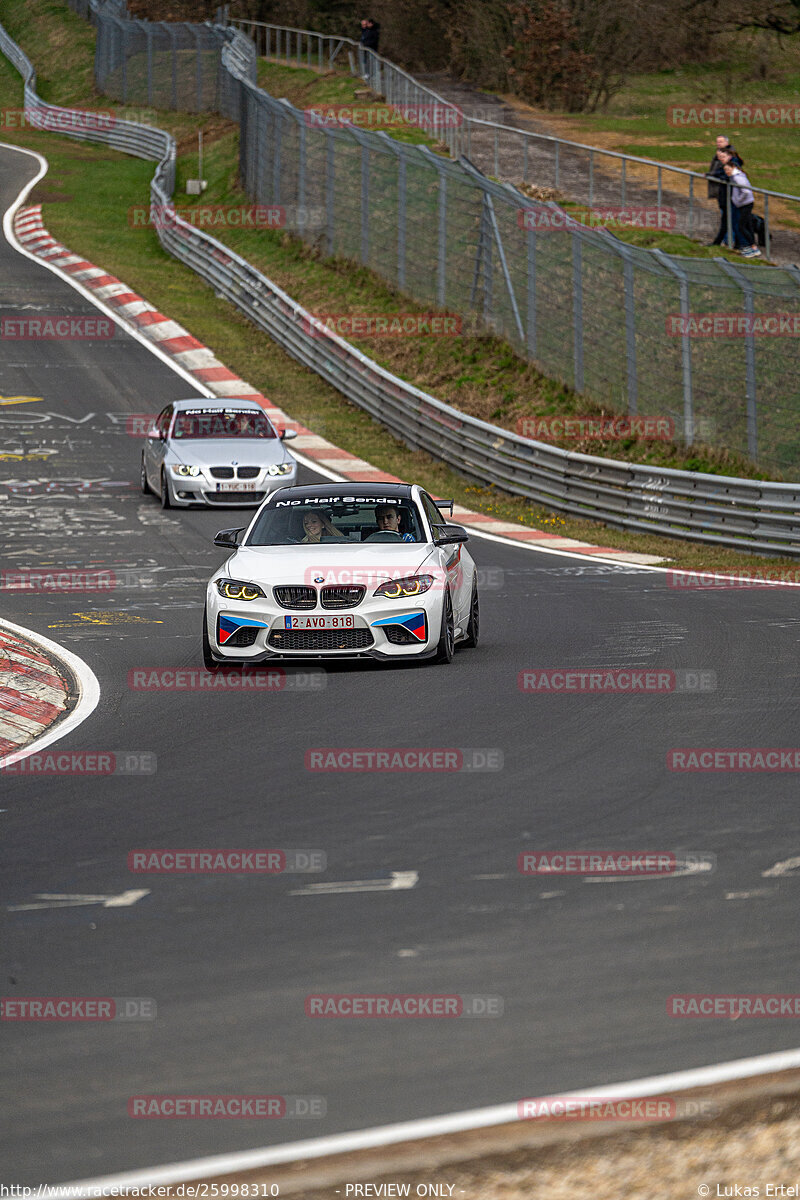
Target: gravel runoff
{"type": "Point", "coordinates": [753, 1142]}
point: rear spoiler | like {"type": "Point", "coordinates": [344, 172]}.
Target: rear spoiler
{"type": "Point", "coordinates": [445, 504]}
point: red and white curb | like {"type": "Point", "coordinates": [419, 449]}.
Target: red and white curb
{"type": "Point", "coordinates": [45, 691]}
{"type": "Point", "coordinates": [197, 361]}
{"type": "Point", "coordinates": [33, 692]}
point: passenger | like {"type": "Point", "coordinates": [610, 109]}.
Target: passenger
{"type": "Point", "coordinates": [387, 518]}
{"type": "Point", "coordinates": [318, 525]}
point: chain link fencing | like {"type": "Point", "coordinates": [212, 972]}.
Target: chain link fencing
{"type": "Point", "coordinates": [736, 512]}
{"type": "Point", "coordinates": [615, 322]}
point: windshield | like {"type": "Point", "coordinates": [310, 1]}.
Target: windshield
{"type": "Point", "coordinates": [337, 522]}
{"type": "Point", "coordinates": [222, 423]}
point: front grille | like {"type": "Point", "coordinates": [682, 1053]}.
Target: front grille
{"type": "Point", "coordinates": [248, 472]}
{"type": "Point", "coordinates": [398, 635]}
{"type": "Point", "coordinates": [222, 472]}
{"type": "Point", "coordinates": [342, 597]}
{"type": "Point", "coordinates": [320, 639]}
{"type": "Point", "coordinates": [232, 497]}
{"type": "Point", "coordinates": [243, 637]}
{"type": "Point", "coordinates": [298, 596]}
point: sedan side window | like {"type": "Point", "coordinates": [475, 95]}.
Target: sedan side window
{"type": "Point", "coordinates": [163, 419]}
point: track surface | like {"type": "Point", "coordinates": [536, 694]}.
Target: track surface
{"type": "Point", "coordinates": [585, 970]}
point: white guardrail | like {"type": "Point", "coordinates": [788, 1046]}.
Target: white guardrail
{"type": "Point", "coordinates": [751, 515]}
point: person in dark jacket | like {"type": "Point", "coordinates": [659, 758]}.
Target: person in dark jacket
{"type": "Point", "coordinates": [717, 179]}
{"type": "Point", "coordinates": [370, 34]}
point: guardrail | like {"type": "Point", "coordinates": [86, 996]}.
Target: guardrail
{"type": "Point", "coordinates": [750, 515]}
{"type": "Point", "coordinates": [544, 159]}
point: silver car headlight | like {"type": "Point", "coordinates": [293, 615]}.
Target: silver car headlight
{"type": "Point", "coordinates": [183, 469]}
{"type": "Point", "coordinates": [284, 468]}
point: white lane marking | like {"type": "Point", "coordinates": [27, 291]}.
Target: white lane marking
{"type": "Point", "coordinates": [399, 881]}
{"type": "Point", "coordinates": [130, 326]}
{"type": "Point", "coordinates": [460, 1122]}
{"type": "Point", "coordinates": [87, 293]}
{"type": "Point", "coordinates": [48, 900]}
{"type": "Point", "coordinates": [88, 693]}
{"type": "Point", "coordinates": [787, 867]}
{"type": "Point", "coordinates": [688, 868]}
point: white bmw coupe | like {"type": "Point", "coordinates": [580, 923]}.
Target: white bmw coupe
{"type": "Point", "coordinates": [342, 570]}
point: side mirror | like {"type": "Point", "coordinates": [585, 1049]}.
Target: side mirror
{"type": "Point", "coordinates": [288, 434]}
{"type": "Point", "coordinates": [155, 434]}
{"type": "Point", "coordinates": [228, 537]}
{"type": "Point", "coordinates": [451, 535]}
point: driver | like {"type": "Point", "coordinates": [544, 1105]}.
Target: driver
{"type": "Point", "coordinates": [387, 518]}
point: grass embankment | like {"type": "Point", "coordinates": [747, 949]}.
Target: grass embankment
{"type": "Point", "coordinates": [751, 68]}
{"type": "Point", "coordinates": [308, 87]}
{"type": "Point", "coordinates": [87, 195]}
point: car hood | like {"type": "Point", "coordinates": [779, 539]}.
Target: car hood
{"type": "Point", "coordinates": [351, 563]}
{"type": "Point", "coordinates": [220, 452]}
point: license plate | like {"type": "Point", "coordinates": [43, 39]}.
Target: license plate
{"type": "Point", "coordinates": [236, 487]}
{"type": "Point", "coordinates": [319, 623]}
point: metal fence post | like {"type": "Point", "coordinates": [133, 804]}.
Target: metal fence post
{"type": "Point", "coordinates": [301, 180]}
{"type": "Point", "coordinates": [364, 203]}
{"type": "Point", "coordinates": [174, 48]}
{"type": "Point", "coordinates": [531, 294]}
{"type": "Point", "coordinates": [749, 354]}
{"type": "Point", "coordinates": [124, 40]}
{"type": "Point", "coordinates": [686, 344]}
{"type": "Point", "coordinates": [630, 328]}
{"type": "Point", "coordinates": [149, 35]}
{"type": "Point", "coordinates": [577, 310]}
{"type": "Point", "coordinates": [441, 267]}
{"type": "Point", "coordinates": [198, 49]}
{"type": "Point", "coordinates": [277, 126]}
{"type": "Point", "coordinates": [330, 190]}
{"type": "Point", "coordinates": [401, 219]}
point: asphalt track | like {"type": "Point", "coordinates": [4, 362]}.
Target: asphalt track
{"type": "Point", "coordinates": [584, 969]}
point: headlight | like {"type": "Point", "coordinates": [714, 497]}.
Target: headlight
{"type": "Point", "coordinates": [234, 589]}
{"type": "Point", "coordinates": [284, 468]}
{"type": "Point", "coordinates": [396, 589]}
{"type": "Point", "coordinates": [182, 469]}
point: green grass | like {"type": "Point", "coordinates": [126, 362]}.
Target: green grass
{"type": "Point", "coordinates": [87, 194]}
{"type": "Point", "coordinates": [751, 68]}
{"type": "Point", "coordinates": [306, 88]}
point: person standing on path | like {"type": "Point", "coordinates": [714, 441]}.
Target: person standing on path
{"type": "Point", "coordinates": [370, 34]}
{"type": "Point", "coordinates": [741, 210]}
{"type": "Point", "coordinates": [717, 189]}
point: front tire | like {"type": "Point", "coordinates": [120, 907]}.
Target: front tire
{"type": "Point", "coordinates": [166, 498]}
{"type": "Point", "coordinates": [144, 485]}
{"type": "Point", "coordinates": [447, 639]}
{"type": "Point", "coordinates": [209, 662]}
{"type": "Point", "coordinates": [474, 624]}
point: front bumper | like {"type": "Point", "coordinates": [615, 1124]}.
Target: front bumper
{"type": "Point", "coordinates": [258, 631]}
{"type": "Point", "coordinates": [204, 489]}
